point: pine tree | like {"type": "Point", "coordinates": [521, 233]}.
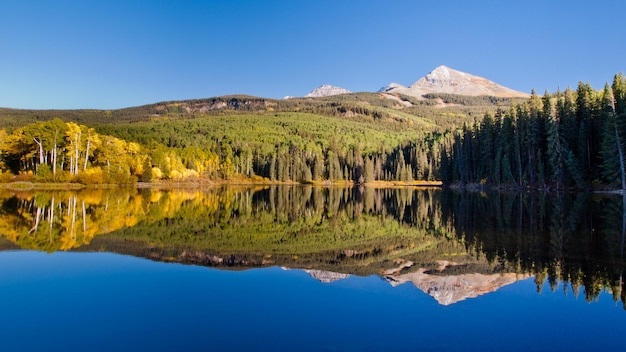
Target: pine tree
{"type": "Point", "coordinates": [147, 171]}
{"type": "Point", "coordinates": [486, 142]}
{"type": "Point", "coordinates": [445, 172]}
{"type": "Point", "coordinates": [555, 148]}
{"type": "Point", "coordinates": [612, 143]}
{"type": "Point", "coordinates": [368, 170]}
{"type": "Point", "coordinates": [619, 93]}
{"type": "Point", "coordinates": [318, 167]}
{"type": "Point", "coordinates": [400, 167]}
{"type": "Point", "coordinates": [272, 168]}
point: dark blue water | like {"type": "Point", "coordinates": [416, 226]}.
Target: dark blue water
{"type": "Point", "coordinates": [108, 302]}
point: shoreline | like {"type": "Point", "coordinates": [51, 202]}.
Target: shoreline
{"type": "Point", "coordinates": [206, 184]}
{"type": "Point", "coordinates": [28, 185]}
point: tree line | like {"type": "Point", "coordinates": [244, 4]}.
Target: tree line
{"type": "Point", "coordinates": [295, 147]}
{"type": "Point", "coordinates": [65, 151]}
{"type": "Point", "coordinates": [566, 140]}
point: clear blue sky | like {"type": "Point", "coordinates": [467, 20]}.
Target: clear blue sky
{"type": "Point", "coordinates": [118, 53]}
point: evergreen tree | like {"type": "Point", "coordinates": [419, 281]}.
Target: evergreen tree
{"type": "Point", "coordinates": [318, 167]}
{"type": "Point", "coordinates": [612, 142]}
{"type": "Point", "coordinates": [485, 140]}
{"type": "Point", "coordinates": [147, 171]}
{"type": "Point", "coordinates": [273, 168]}
{"type": "Point", "coordinates": [368, 172]}
{"type": "Point", "coordinates": [555, 149]}
{"type": "Point", "coordinates": [619, 93]}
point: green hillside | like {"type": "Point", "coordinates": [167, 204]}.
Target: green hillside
{"type": "Point", "coordinates": [428, 112]}
{"type": "Point", "coordinates": [360, 137]}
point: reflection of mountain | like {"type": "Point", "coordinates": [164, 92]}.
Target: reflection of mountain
{"type": "Point", "coordinates": [446, 289]}
{"type": "Point", "coordinates": [451, 289]}
{"type": "Point", "coordinates": [323, 276]}
{"type": "Point", "coordinates": [326, 276]}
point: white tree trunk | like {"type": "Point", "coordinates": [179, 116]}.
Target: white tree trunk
{"type": "Point", "coordinates": [86, 154]}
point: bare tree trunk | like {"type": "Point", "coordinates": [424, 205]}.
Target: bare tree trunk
{"type": "Point", "coordinates": [76, 152]}
{"type": "Point", "coordinates": [623, 223]}
{"type": "Point", "coordinates": [86, 154]}
{"type": "Point", "coordinates": [54, 160]}
{"type": "Point", "coordinates": [41, 157]}
{"type": "Point", "coordinates": [621, 158]}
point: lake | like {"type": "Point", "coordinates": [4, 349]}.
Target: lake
{"type": "Point", "coordinates": [287, 268]}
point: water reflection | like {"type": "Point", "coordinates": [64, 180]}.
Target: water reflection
{"type": "Point", "coordinates": [450, 245]}
{"type": "Point", "coordinates": [574, 239]}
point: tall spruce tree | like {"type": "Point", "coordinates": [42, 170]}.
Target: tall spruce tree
{"type": "Point", "coordinates": [612, 143]}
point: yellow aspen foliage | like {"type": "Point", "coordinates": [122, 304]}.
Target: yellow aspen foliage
{"type": "Point", "coordinates": [157, 174]}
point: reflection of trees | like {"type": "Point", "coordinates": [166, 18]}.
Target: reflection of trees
{"type": "Point", "coordinates": [572, 240]}
{"type": "Point", "coordinates": [576, 241]}
{"type": "Point", "coordinates": [362, 228]}
{"type": "Point", "coordinates": [57, 220]}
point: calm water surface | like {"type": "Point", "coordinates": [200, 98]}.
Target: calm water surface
{"type": "Point", "coordinates": [300, 268]}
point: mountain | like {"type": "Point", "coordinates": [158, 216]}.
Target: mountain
{"type": "Point", "coordinates": [391, 87]}
{"type": "Point", "coordinates": [326, 90]}
{"type": "Point", "coordinates": [446, 80]}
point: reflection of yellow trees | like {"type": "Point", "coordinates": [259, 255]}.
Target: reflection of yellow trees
{"type": "Point", "coordinates": [52, 221]}
{"type": "Point", "coordinates": [61, 220]}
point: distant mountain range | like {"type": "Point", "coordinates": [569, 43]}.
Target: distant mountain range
{"type": "Point", "coordinates": [442, 79]}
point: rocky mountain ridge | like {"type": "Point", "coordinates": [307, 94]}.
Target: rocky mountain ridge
{"type": "Point", "coordinates": [326, 90]}
{"type": "Point", "coordinates": [442, 79]}
{"type": "Point", "coordinates": [447, 80]}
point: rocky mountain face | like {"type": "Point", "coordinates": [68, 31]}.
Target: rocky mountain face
{"type": "Point", "coordinates": [446, 80]}
{"type": "Point", "coordinates": [326, 90]}
{"type": "Point", "coordinates": [442, 79]}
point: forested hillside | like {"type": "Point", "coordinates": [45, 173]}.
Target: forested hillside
{"type": "Point", "coordinates": [358, 137]}
{"type": "Point", "coordinates": [569, 139]}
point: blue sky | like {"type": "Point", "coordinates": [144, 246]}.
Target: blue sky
{"type": "Point", "coordinates": [109, 54]}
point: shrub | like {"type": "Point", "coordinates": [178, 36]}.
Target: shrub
{"type": "Point", "coordinates": [91, 176]}
{"type": "Point", "coordinates": [24, 177]}
{"type": "Point", "coordinates": [44, 173]}
{"type": "Point", "coordinates": [6, 177]}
